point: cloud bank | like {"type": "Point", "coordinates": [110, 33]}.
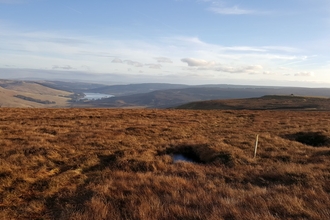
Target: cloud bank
{"type": "Point", "coordinates": [163, 60]}
{"type": "Point", "coordinates": [304, 74]}
{"type": "Point", "coordinates": [187, 56]}
{"type": "Point", "coordinates": [133, 63]}
{"type": "Point", "coordinates": [66, 67]}
{"type": "Point", "coordinates": [213, 66]}
{"type": "Point", "coordinates": [154, 66]}
{"type": "Point", "coordinates": [197, 62]}
{"type": "Point", "coordinates": [235, 10]}
{"type": "Point", "coordinates": [116, 60]}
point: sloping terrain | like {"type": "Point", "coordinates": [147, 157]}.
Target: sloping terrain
{"type": "Point", "coordinates": [73, 87]}
{"type": "Point", "coordinates": [271, 102]}
{"type": "Point", "coordinates": [41, 94]}
{"type": "Point", "coordinates": [117, 164]}
{"type": "Point", "coordinates": [174, 97]}
{"type": "Point", "coordinates": [31, 94]}
{"type": "Point", "coordinates": [121, 90]}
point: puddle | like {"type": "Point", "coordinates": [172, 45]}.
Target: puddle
{"type": "Point", "coordinates": [191, 154]}
{"type": "Point", "coordinates": [185, 153]}
{"type": "Point", "coordinates": [182, 158]}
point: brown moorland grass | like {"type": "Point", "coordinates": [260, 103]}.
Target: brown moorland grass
{"type": "Point", "coordinates": [268, 102]}
{"type": "Point", "coordinates": [117, 164]}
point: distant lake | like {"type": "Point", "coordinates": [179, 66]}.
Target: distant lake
{"type": "Point", "coordinates": [95, 96]}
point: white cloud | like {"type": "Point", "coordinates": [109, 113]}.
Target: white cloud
{"type": "Point", "coordinates": [282, 49]}
{"type": "Point", "coordinates": [243, 69]}
{"type": "Point", "coordinates": [163, 60]}
{"type": "Point", "coordinates": [154, 66]}
{"type": "Point", "coordinates": [304, 74]}
{"type": "Point", "coordinates": [197, 62]}
{"type": "Point", "coordinates": [41, 50]}
{"type": "Point", "coordinates": [269, 73]}
{"type": "Point", "coordinates": [246, 49]}
{"type": "Point", "coordinates": [221, 7]}
{"type": "Point", "coordinates": [95, 54]}
{"type": "Point", "coordinates": [197, 48]}
{"type": "Point", "coordinates": [85, 68]}
{"type": "Point", "coordinates": [65, 67]}
{"type": "Point", "coordinates": [251, 69]}
{"type": "Point", "coordinates": [133, 63]}
{"type": "Point", "coordinates": [204, 65]}
{"type": "Point", "coordinates": [235, 10]}
{"type": "Point", "coordinates": [116, 60]}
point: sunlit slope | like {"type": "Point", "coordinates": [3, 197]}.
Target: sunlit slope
{"type": "Point", "coordinates": [269, 102]}
{"type": "Point", "coordinates": [31, 94]}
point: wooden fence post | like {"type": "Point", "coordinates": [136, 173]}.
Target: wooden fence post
{"type": "Point", "coordinates": [256, 146]}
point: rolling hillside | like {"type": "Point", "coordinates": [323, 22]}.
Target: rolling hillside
{"type": "Point", "coordinates": [31, 95]}
{"type": "Point", "coordinates": [175, 97]}
{"type": "Point", "coordinates": [43, 94]}
{"type": "Point", "coordinates": [121, 90]}
{"type": "Point", "coordinates": [270, 102]}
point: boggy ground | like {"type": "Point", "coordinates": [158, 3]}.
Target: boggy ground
{"type": "Point", "coordinates": [116, 164]}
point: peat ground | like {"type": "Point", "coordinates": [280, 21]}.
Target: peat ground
{"type": "Point", "coordinates": [117, 164]}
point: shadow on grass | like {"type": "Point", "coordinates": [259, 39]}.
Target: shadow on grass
{"type": "Point", "coordinates": [201, 154]}
{"type": "Point", "coordinates": [314, 139]}
{"type": "Point", "coordinates": [285, 179]}
{"type": "Point", "coordinates": [186, 152]}
{"type": "Point", "coordinates": [66, 200]}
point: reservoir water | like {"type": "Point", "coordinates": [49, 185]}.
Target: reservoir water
{"type": "Point", "coordinates": [95, 96]}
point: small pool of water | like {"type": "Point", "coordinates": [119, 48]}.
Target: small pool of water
{"type": "Point", "coordinates": [180, 158]}
{"type": "Point", "coordinates": [95, 96]}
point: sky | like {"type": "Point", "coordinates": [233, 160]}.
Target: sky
{"type": "Point", "coordinates": [255, 42]}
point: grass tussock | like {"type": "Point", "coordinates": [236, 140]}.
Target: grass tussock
{"type": "Point", "coordinates": [117, 164]}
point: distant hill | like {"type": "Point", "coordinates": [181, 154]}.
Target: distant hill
{"type": "Point", "coordinates": [120, 90]}
{"type": "Point", "coordinates": [176, 97]}
{"type": "Point", "coordinates": [269, 102]}
{"type": "Point", "coordinates": [40, 94]}
{"type": "Point", "coordinates": [168, 98]}
{"type": "Point", "coordinates": [75, 87]}
{"type": "Point", "coordinates": [15, 93]}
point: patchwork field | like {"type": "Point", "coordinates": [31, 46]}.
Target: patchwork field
{"type": "Point", "coordinates": [117, 164]}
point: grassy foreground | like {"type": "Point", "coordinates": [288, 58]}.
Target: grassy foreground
{"type": "Point", "coordinates": [117, 164]}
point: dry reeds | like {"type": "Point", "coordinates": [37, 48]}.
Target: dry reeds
{"type": "Point", "coordinates": [116, 164]}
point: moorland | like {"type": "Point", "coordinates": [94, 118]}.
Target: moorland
{"type": "Point", "coordinates": [117, 164]}
{"type": "Point", "coordinates": [269, 102]}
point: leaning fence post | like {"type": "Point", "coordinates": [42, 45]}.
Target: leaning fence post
{"type": "Point", "coordinates": [256, 146]}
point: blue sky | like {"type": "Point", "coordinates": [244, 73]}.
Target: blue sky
{"type": "Point", "coordinates": [173, 41]}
